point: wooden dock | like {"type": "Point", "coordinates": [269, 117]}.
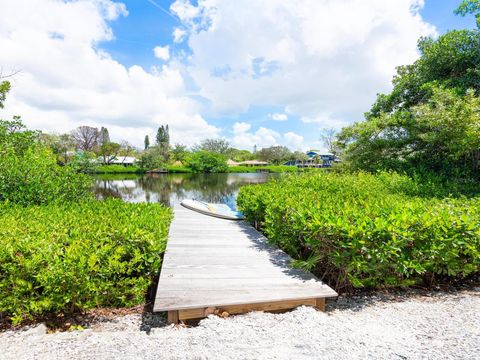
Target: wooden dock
{"type": "Point", "coordinates": [216, 266]}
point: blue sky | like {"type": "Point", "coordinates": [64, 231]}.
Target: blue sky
{"type": "Point", "coordinates": [146, 26]}
{"type": "Point", "coordinates": [256, 73]}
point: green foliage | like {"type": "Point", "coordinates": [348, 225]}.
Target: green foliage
{"type": "Point", "coordinates": [108, 151]}
{"type": "Point", "coordinates": [118, 169]}
{"type": "Point", "coordinates": [451, 61]}
{"type": "Point", "coordinates": [75, 256]}
{"type": "Point", "coordinates": [441, 136]}
{"type": "Point", "coordinates": [153, 158]}
{"type": "Point", "coordinates": [84, 162]}
{"type": "Point", "coordinates": [29, 173]}
{"type": "Point", "coordinates": [274, 154]}
{"type": "Point", "coordinates": [4, 89]}
{"type": "Point", "coordinates": [146, 142]}
{"type": "Point", "coordinates": [62, 145]}
{"type": "Point", "coordinates": [469, 7]}
{"type": "Point", "coordinates": [366, 230]}
{"type": "Point", "coordinates": [206, 162]}
{"type": "Point", "coordinates": [216, 146]}
{"type": "Point", "coordinates": [163, 137]}
{"type": "Point", "coordinates": [104, 136]}
{"type": "Point", "coordinates": [239, 155]}
{"type": "Point", "coordinates": [430, 122]}
{"type": "Point", "coordinates": [179, 152]}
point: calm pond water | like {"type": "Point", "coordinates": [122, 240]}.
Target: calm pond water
{"type": "Point", "coordinates": [171, 189]}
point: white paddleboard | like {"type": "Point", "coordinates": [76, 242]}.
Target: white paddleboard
{"type": "Point", "coordinates": [217, 210]}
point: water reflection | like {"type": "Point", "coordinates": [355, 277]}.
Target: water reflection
{"type": "Point", "coordinates": [171, 189]}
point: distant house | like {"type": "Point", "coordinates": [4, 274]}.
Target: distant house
{"type": "Point", "coordinates": [254, 163]}
{"type": "Point", "coordinates": [230, 162]}
{"type": "Point", "coordinates": [123, 160]}
{"type": "Point", "coordinates": [315, 159]}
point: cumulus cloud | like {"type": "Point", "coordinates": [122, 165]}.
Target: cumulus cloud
{"type": "Point", "coordinates": [294, 141]}
{"type": "Point", "coordinates": [278, 116]}
{"type": "Point", "coordinates": [264, 137]}
{"type": "Point", "coordinates": [311, 57]}
{"type": "Point", "coordinates": [66, 80]}
{"type": "Point", "coordinates": [162, 52]}
{"type": "Point", "coordinates": [320, 61]}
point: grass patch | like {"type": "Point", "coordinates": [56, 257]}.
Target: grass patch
{"type": "Point", "coordinates": [178, 169]}
{"type": "Point", "coordinates": [118, 169]}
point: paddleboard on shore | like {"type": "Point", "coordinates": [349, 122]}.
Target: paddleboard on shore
{"type": "Point", "coordinates": [217, 210]}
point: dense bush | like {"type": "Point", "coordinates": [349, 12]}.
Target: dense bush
{"type": "Point", "coordinates": [207, 162]}
{"type": "Point", "coordinates": [29, 173]}
{"type": "Point", "coordinates": [61, 258]}
{"type": "Point", "coordinates": [367, 230]}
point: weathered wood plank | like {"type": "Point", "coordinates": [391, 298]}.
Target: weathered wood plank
{"type": "Point", "coordinates": [243, 308]}
{"type": "Point", "coordinates": [226, 265]}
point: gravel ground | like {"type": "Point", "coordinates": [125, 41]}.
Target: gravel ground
{"type": "Point", "coordinates": [417, 326]}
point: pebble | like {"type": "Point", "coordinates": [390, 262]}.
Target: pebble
{"type": "Point", "coordinates": [444, 326]}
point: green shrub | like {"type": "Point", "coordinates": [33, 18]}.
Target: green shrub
{"type": "Point", "coordinates": [29, 173]}
{"type": "Point", "coordinates": [62, 258]}
{"type": "Point", "coordinates": [366, 230]}
{"type": "Point", "coordinates": [118, 169]}
{"type": "Point", "coordinates": [207, 162]}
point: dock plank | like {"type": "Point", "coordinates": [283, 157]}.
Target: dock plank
{"type": "Point", "coordinates": [212, 263]}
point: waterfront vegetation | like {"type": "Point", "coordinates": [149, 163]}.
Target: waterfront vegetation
{"type": "Point", "coordinates": [70, 257]}
{"type": "Point", "coordinates": [60, 249]}
{"type": "Point", "coordinates": [403, 208]}
{"type": "Point", "coordinates": [369, 230]}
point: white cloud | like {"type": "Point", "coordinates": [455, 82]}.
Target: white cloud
{"type": "Point", "coordinates": [264, 137]}
{"type": "Point", "coordinates": [241, 127]}
{"type": "Point", "coordinates": [162, 52]}
{"type": "Point", "coordinates": [178, 35]}
{"type": "Point", "coordinates": [311, 57]}
{"type": "Point", "coordinates": [66, 81]}
{"type": "Point", "coordinates": [278, 116]}
{"type": "Point", "coordinates": [294, 141]}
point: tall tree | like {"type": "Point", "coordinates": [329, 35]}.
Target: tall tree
{"type": "Point", "coordinates": [328, 137]}
{"type": "Point", "coordinates": [104, 136]}
{"type": "Point", "coordinates": [163, 137]}
{"type": "Point", "coordinates": [86, 137]}
{"type": "Point", "coordinates": [217, 146]}
{"type": "Point", "coordinates": [146, 142]}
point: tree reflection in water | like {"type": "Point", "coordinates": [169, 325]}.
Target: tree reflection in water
{"type": "Point", "coordinates": [171, 189]}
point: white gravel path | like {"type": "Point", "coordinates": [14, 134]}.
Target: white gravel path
{"type": "Point", "coordinates": [438, 326]}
